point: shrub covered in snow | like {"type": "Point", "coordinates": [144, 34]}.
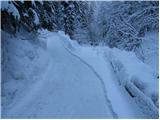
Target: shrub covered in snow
{"type": "Point", "coordinates": [9, 6]}
{"type": "Point", "coordinates": [137, 78]}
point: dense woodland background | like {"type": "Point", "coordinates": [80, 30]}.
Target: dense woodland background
{"type": "Point", "coordinates": [120, 24]}
{"type": "Point", "coordinates": [89, 22]}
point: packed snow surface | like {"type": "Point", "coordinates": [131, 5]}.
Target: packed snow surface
{"type": "Point", "coordinates": [78, 82]}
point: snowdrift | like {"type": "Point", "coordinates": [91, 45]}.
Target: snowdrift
{"type": "Point", "coordinates": [24, 58]}
{"type": "Point", "coordinates": [137, 78]}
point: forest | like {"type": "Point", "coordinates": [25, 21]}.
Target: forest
{"type": "Point", "coordinates": [88, 22]}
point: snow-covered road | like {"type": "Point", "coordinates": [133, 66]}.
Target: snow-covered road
{"type": "Point", "coordinates": [68, 89]}
{"type": "Point", "coordinates": [77, 83]}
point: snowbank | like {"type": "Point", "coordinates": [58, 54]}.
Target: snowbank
{"type": "Point", "coordinates": [23, 62]}
{"type": "Point", "coordinates": [70, 44]}
{"type": "Point", "coordinates": [137, 78]}
{"type": "Point", "coordinates": [150, 48]}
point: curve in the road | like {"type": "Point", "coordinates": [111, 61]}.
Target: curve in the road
{"type": "Point", "coordinates": [108, 102]}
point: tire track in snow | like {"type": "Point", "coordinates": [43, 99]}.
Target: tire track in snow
{"type": "Point", "coordinates": [107, 101]}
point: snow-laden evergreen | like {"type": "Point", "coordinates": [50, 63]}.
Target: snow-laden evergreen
{"type": "Point", "coordinates": [9, 6]}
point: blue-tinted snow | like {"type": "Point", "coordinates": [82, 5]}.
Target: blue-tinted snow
{"type": "Point", "coordinates": [72, 81]}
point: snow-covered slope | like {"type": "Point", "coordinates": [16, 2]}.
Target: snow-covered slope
{"type": "Point", "coordinates": [75, 82]}
{"type": "Point", "coordinates": [23, 62]}
{"type": "Point", "coordinates": [150, 47]}
{"type": "Point", "coordinates": [137, 78]}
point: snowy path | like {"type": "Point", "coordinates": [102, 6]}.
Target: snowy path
{"type": "Point", "coordinates": [78, 83]}
{"type": "Point", "coordinates": [68, 89]}
{"type": "Point", "coordinates": [119, 101]}
{"type": "Point", "coordinates": [122, 104]}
